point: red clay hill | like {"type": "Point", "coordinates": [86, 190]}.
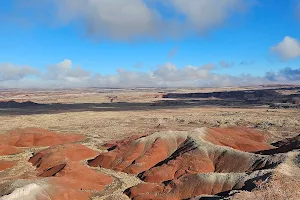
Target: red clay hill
{"type": "Point", "coordinates": [60, 173]}
{"type": "Point", "coordinates": [62, 164]}
{"type": "Point", "coordinates": [180, 165]}
{"type": "Point", "coordinates": [173, 165]}
{"type": "Point", "coordinates": [11, 142]}
{"type": "Point", "coordinates": [34, 137]}
{"type": "Point", "coordinates": [6, 164]}
{"type": "Point", "coordinates": [198, 150]}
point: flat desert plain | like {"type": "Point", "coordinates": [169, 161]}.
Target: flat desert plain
{"type": "Point", "coordinates": [150, 143]}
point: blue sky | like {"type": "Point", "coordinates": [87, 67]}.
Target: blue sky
{"type": "Point", "coordinates": [245, 35]}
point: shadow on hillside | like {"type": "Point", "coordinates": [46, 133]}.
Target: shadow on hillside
{"type": "Point", "coordinates": [232, 99]}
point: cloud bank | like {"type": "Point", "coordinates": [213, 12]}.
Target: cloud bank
{"type": "Point", "coordinates": [285, 75]}
{"type": "Point", "coordinates": [133, 19]}
{"type": "Point", "coordinates": [12, 72]}
{"type": "Point", "coordinates": [65, 75]}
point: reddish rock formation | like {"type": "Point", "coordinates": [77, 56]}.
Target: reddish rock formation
{"type": "Point", "coordinates": [137, 156]}
{"type": "Point", "coordinates": [74, 181]}
{"type": "Point", "coordinates": [79, 177]}
{"type": "Point", "coordinates": [67, 174]}
{"type": "Point", "coordinates": [30, 137]}
{"type": "Point", "coordinates": [179, 165]}
{"type": "Point", "coordinates": [118, 143]}
{"type": "Point", "coordinates": [59, 193]}
{"type": "Point", "coordinates": [197, 184]}
{"type": "Point", "coordinates": [240, 138]}
{"type": "Point", "coordinates": [6, 164]}
{"type": "Point", "coordinates": [8, 150]}
{"type": "Point", "coordinates": [174, 165]}
{"type": "Point", "coordinates": [50, 161]}
{"type": "Point", "coordinates": [201, 160]}
{"type": "Point", "coordinates": [169, 155]}
{"type": "Point", "coordinates": [60, 174]}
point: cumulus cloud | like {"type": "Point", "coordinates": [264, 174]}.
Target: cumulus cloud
{"type": "Point", "coordinates": [285, 75]}
{"type": "Point", "coordinates": [206, 14]}
{"type": "Point", "coordinates": [64, 75]}
{"type": "Point", "coordinates": [170, 72]}
{"type": "Point", "coordinates": [288, 49]}
{"type": "Point", "coordinates": [118, 19]}
{"type": "Point", "coordinates": [65, 71]}
{"type": "Point", "coordinates": [132, 19]}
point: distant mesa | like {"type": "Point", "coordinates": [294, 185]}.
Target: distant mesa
{"type": "Point", "coordinates": [272, 97]}
{"type": "Point", "coordinates": [15, 104]}
{"type": "Point", "coordinates": [244, 94]}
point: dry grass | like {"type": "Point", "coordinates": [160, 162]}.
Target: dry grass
{"type": "Point", "coordinates": [117, 124]}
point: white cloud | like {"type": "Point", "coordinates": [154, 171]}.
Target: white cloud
{"type": "Point", "coordinates": [289, 48]}
{"type": "Point", "coordinates": [65, 71]}
{"type": "Point", "coordinates": [118, 19]}
{"type": "Point", "coordinates": [170, 72]}
{"type": "Point", "coordinates": [206, 14]}
{"type": "Point", "coordinates": [12, 72]}
{"type": "Point", "coordinates": [284, 75]}
{"type": "Point", "coordinates": [132, 19]}
{"type": "Point", "coordinates": [63, 75]}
